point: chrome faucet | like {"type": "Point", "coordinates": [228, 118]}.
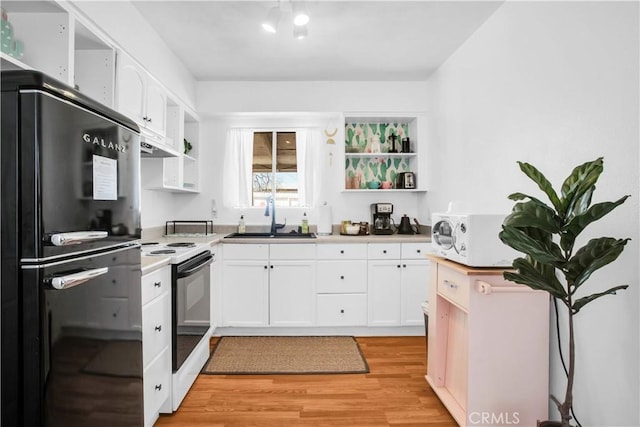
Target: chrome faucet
{"type": "Point", "coordinates": [274, 226]}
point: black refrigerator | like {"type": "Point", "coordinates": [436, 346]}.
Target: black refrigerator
{"type": "Point", "coordinates": [71, 344]}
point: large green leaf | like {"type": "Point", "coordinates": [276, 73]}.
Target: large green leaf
{"type": "Point", "coordinates": [581, 180]}
{"type": "Point", "coordinates": [531, 214]}
{"type": "Point", "coordinates": [595, 254]}
{"type": "Point", "coordinates": [536, 276]}
{"type": "Point", "coordinates": [516, 197]}
{"type": "Point", "coordinates": [536, 176]}
{"type": "Point", "coordinates": [579, 222]}
{"type": "Point", "coordinates": [543, 251]}
{"type": "Point", "coordinates": [579, 303]}
{"type": "Point", "coordinates": [581, 205]}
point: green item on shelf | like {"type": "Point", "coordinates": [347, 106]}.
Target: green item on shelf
{"type": "Point", "coordinates": [187, 146]}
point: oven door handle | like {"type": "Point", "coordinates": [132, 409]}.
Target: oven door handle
{"type": "Point", "coordinates": [75, 279]}
{"type": "Point", "coordinates": [186, 273]}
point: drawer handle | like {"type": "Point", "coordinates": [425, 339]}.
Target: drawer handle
{"type": "Point", "coordinates": [157, 284]}
{"type": "Point", "coordinates": [158, 387]}
{"type": "Point", "coordinates": [158, 328]}
{"type": "Point", "coordinates": [450, 285]}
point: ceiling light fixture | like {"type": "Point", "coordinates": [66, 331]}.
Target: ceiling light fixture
{"type": "Point", "coordinates": [299, 15]}
{"type": "Point", "coordinates": [270, 24]}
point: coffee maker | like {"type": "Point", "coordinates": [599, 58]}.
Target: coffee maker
{"type": "Point", "coordinates": [381, 218]}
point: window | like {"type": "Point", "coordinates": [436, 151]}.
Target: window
{"type": "Point", "coordinates": [275, 168]}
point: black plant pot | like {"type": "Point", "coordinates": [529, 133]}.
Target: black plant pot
{"type": "Point", "coordinates": [549, 424]}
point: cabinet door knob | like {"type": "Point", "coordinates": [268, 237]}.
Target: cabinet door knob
{"type": "Point", "coordinates": [404, 265]}
{"type": "Point", "coordinates": [158, 328]}
{"type": "Point", "coordinates": [157, 284]}
{"type": "Point", "coordinates": [384, 251]}
{"type": "Point", "coordinates": [341, 251]}
{"type": "Point", "coordinates": [418, 250]}
{"type": "Point", "coordinates": [398, 266]}
{"type": "Point", "coordinates": [272, 266]}
{"type": "Point", "coordinates": [158, 387]}
{"type": "Point", "coordinates": [342, 277]}
{"type": "Point", "coordinates": [342, 311]}
{"type": "Point", "coordinates": [265, 267]}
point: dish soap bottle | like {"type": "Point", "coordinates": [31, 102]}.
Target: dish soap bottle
{"type": "Point", "coordinates": [305, 224]}
{"type": "Point", "coordinates": [241, 227]}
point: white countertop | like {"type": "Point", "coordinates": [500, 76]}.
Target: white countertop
{"type": "Point", "coordinates": [152, 263]}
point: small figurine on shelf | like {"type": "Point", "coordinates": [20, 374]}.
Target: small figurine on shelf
{"type": "Point", "coordinates": [187, 146]}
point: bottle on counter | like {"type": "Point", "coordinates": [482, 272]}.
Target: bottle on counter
{"type": "Point", "coordinates": [305, 224]}
{"type": "Point", "coordinates": [241, 227]}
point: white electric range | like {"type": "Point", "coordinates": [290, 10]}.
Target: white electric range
{"type": "Point", "coordinates": [191, 309]}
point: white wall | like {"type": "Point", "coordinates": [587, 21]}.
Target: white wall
{"type": "Point", "coordinates": [554, 84]}
{"type": "Point", "coordinates": [313, 103]}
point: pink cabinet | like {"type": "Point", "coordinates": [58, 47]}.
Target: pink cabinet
{"type": "Point", "coordinates": [488, 346]}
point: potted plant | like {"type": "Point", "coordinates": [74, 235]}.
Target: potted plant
{"type": "Point", "coordinates": [547, 235]}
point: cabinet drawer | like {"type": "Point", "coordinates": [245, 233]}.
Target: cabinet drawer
{"type": "Point", "coordinates": [156, 328]}
{"type": "Point", "coordinates": [454, 287]}
{"type": "Point", "coordinates": [157, 382]}
{"type": "Point", "coordinates": [286, 251]}
{"type": "Point", "coordinates": [340, 277]}
{"type": "Point", "coordinates": [384, 251]}
{"type": "Point", "coordinates": [343, 251]}
{"type": "Point", "coordinates": [246, 252]}
{"type": "Point", "coordinates": [155, 284]}
{"type": "Point", "coordinates": [342, 310]}
{"type": "Point", "coordinates": [415, 250]}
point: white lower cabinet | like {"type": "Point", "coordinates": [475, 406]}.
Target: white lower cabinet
{"type": "Point", "coordinates": [324, 284]}
{"type": "Point", "coordinates": [342, 284]}
{"type": "Point", "coordinates": [156, 340]}
{"type": "Point", "coordinates": [245, 293]}
{"type": "Point", "coordinates": [268, 285]}
{"type": "Point", "coordinates": [292, 294]}
{"type": "Point", "coordinates": [342, 309]}
{"type": "Point", "coordinates": [398, 283]}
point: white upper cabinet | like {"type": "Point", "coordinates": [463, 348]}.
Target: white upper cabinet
{"type": "Point", "coordinates": [47, 36]}
{"type": "Point", "coordinates": [139, 97]}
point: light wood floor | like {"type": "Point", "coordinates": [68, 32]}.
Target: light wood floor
{"type": "Point", "coordinates": [394, 393]}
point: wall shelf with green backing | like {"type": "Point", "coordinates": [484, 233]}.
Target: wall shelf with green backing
{"type": "Point", "coordinates": [373, 153]}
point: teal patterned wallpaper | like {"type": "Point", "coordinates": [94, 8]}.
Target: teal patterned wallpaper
{"type": "Point", "coordinates": [366, 172]}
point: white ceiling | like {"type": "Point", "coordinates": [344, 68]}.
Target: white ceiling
{"type": "Point", "coordinates": [348, 40]}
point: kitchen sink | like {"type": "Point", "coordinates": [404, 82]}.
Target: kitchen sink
{"type": "Point", "coordinates": [268, 235]}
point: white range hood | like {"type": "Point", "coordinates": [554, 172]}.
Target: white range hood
{"type": "Point", "coordinates": [154, 146]}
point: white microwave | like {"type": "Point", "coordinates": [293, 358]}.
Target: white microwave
{"type": "Point", "coordinates": [471, 239]}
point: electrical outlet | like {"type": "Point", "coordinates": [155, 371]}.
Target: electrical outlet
{"type": "Point", "coordinates": [214, 209]}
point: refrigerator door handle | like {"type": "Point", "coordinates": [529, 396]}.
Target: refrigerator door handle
{"type": "Point", "coordinates": [74, 279]}
{"type": "Point", "coordinates": [75, 237]}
